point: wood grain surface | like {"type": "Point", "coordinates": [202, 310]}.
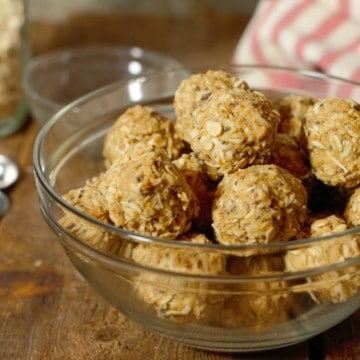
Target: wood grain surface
{"type": "Point", "coordinates": [47, 310]}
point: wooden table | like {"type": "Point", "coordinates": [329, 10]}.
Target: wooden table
{"type": "Point", "coordinates": [47, 310]}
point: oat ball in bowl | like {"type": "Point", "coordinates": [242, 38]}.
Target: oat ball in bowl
{"type": "Point", "coordinates": [230, 127]}
{"type": "Point", "coordinates": [259, 204]}
{"type": "Point", "coordinates": [185, 284]}
{"type": "Point", "coordinates": [292, 109]}
{"type": "Point", "coordinates": [332, 131]}
{"type": "Point", "coordinates": [327, 287]}
{"type": "Point", "coordinates": [145, 192]}
{"type": "Point", "coordinates": [352, 208]}
{"type": "Point", "coordinates": [196, 88]}
{"type": "Point", "coordinates": [141, 124]}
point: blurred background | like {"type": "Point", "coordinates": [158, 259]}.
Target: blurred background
{"type": "Point", "coordinates": [47, 9]}
{"type": "Point", "coordinates": [202, 27]}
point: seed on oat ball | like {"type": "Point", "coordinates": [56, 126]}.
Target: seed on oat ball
{"type": "Point", "coordinates": [259, 204]}
{"type": "Point", "coordinates": [332, 129]}
{"type": "Point", "coordinates": [198, 87]}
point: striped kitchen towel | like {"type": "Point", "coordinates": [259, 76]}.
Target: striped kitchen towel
{"type": "Point", "coordinates": [313, 34]}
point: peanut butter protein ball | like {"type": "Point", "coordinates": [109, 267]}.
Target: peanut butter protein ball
{"type": "Point", "coordinates": [259, 204]}
{"type": "Point", "coordinates": [352, 209]}
{"type": "Point", "coordinates": [233, 129]}
{"type": "Point", "coordinates": [259, 304]}
{"type": "Point", "coordinates": [146, 193]}
{"type": "Point", "coordinates": [171, 297]}
{"type": "Point", "coordinates": [332, 129]}
{"type": "Point", "coordinates": [141, 124]}
{"type": "Point", "coordinates": [193, 170]}
{"type": "Point", "coordinates": [196, 88]}
{"type": "Point", "coordinates": [90, 201]}
{"type": "Point", "coordinates": [288, 154]}
{"type": "Point", "coordinates": [292, 109]}
{"type": "Point", "coordinates": [338, 285]}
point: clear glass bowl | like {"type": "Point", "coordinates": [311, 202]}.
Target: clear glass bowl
{"type": "Point", "coordinates": [52, 80]}
{"type": "Point", "coordinates": [242, 312]}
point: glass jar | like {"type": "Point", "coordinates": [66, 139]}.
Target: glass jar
{"type": "Point", "coordinates": [14, 52]}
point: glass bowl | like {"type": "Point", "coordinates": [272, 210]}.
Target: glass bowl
{"type": "Point", "coordinates": [52, 80]}
{"type": "Point", "coordinates": [231, 311]}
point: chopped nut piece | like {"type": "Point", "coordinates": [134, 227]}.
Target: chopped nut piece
{"type": "Point", "coordinates": [141, 124]}
{"type": "Point", "coordinates": [337, 285]}
{"type": "Point", "coordinates": [332, 129]}
{"type": "Point", "coordinates": [259, 204]}
{"type": "Point", "coordinates": [213, 128]}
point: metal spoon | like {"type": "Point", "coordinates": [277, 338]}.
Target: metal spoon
{"type": "Point", "coordinates": [4, 203]}
{"type": "Point", "coordinates": [9, 173]}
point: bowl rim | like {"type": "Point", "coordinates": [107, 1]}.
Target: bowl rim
{"type": "Point", "coordinates": [37, 62]}
{"type": "Point", "coordinates": [260, 248]}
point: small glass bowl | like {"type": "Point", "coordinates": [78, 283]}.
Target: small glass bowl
{"type": "Point", "coordinates": [242, 313]}
{"type": "Point", "coordinates": [54, 79]}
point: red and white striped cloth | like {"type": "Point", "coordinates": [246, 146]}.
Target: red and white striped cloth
{"type": "Point", "coordinates": [313, 34]}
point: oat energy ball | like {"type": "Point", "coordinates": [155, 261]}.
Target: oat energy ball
{"type": "Point", "coordinates": [288, 154]}
{"type": "Point", "coordinates": [259, 204]}
{"type": "Point", "coordinates": [338, 285]}
{"type": "Point", "coordinates": [332, 129]}
{"type": "Point", "coordinates": [352, 209]}
{"type": "Point", "coordinates": [90, 201]}
{"type": "Point", "coordinates": [258, 304]}
{"type": "Point", "coordinates": [146, 193]}
{"type": "Point", "coordinates": [194, 171]}
{"type": "Point", "coordinates": [292, 109]}
{"type": "Point", "coordinates": [173, 296]}
{"type": "Point", "coordinates": [198, 87]}
{"type": "Point", "coordinates": [141, 124]}
{"type": "Point", "coordinates": [233, 129]}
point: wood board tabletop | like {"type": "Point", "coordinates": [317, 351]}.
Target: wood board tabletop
{"type": "Point", "coordinates": [47, 310]}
